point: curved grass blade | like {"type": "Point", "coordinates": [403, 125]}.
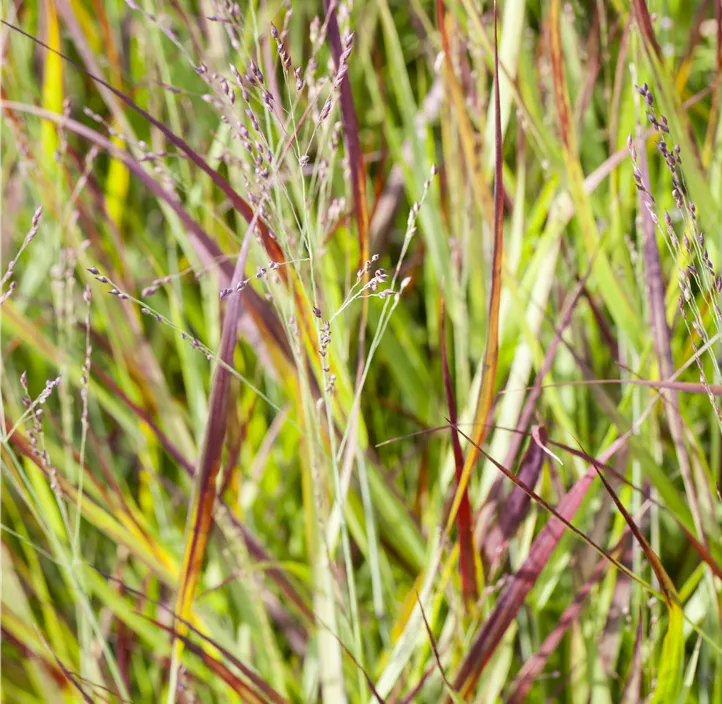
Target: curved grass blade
{"type": "Point", "coordinates": [272, 246]}
{"type": "Point", "coordinates": [206, 248]}
{"type": "Point", "coordinates": [480, 188]}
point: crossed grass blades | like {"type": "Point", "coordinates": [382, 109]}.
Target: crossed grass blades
{"type": "Point", "coordinates": [360, 352]}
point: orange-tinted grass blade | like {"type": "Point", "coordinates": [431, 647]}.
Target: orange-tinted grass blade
{"type": "Point", "coordinates": [527, 413]}
{"type": "Point", "coordinates": [200, 515]}
{"type": "Point", "coordinates": [256, 550]}
{"type": "Point", "coordinates": [258, 682]}
{"type": "Point", "coordinates": [491, 351]}
{"type": "Point", "coordinates": [480, 188]}
{"type": "Point", "coordinates": [271, 694]}
{"type": "Point", "coordinates": [467, 562]}
{"type": "Point", "coordinates": [244, 691]}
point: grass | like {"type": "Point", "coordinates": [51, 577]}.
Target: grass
{"type": "Point", "coordinates": [360, 352]}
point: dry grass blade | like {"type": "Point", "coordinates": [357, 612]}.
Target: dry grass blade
{"type": "Point", "coordinates": [480, 188]}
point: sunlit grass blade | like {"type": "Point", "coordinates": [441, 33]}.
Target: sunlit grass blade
{"type": "Point", "coordinates": [491, 348]}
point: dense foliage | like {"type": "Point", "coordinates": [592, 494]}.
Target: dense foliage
{"type": "Point", "coordinates": [361, 351]}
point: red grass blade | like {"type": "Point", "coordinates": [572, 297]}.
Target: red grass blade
{"type": "Point", "coordinates": [672, 656]}
{"type": "Point", "coordinates": [222, 669]}
{"type": "Point", "coordinates": [531, 669]}
{"type": "Point", "coordinates": [516, 589]}
{"type": "Point", "coordinates": [71, 678]}
{"type": "Point", "coordinates": [667, 586]}
{"type": "Point", "coordinates": [513, 511]}
{"type": "Point", "coordinates": [467, 562]}
{"type": "Point", "coordinates": [200, 516]}
{"type": "Point", "coordinates": [255, 549]}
